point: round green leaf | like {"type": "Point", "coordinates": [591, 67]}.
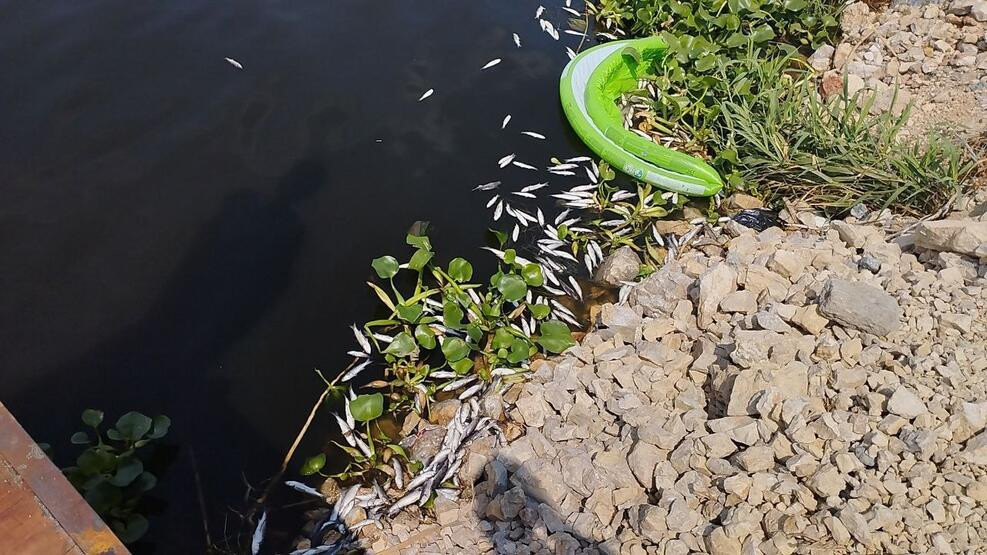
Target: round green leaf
{"type": "Point", "coordinates": [79, 438]}
{"type": "Point", "coordinates": [92, 417]}
{"type": "Point", "coordinates": [161, 425]}
{"type": "Point", "coordinates": [512, 287]}
{"type": "Point", "coordinates": [425, 336]}
{"type": "Point", "coordinates": [385, 266]}
{"type": "Point", "coordinates": [103, 496]}
{"type": "Point", "coordinates": [452, 315]}
{"type": "Point", "coordinates": [460, 269]}
{"type": "Point", "coordinates": [145, 482]}
{"type": "Point", "coordinates": [127, 471]}
{"type": "Point", "coordinates": [402, 345]}
{"type": "Point", "coordinates": [133, 425]}
{"type": "Point", "coordinates": [455, 349]}
{"type": "Point", "coordinates": [555, 336]}
{"type": "Point", "coordinates": [132, 529]}
{"type": "Point", "coordinates": [532, 275]}
{"type": "Point", "coordinates": [502, 338]}
{"type": "Point", "coordinates": [461, 366]}
{"type": "Point", "coordinates": [410, 313]}
{"type": "Point", "coordinates": [313, 464]}
{"type": "Point", "coordinates": [367, 407]}
{"type": "Point", "coordinates": [539, 311]}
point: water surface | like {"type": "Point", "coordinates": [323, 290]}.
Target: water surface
{"type": "Point", "coordinates": [181, 237]}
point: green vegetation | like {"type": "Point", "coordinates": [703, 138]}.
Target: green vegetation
{"type": "Point", "coordinates": [735, 88]}
{"type": "Point", "coordinates": [446, 329]}
{"type": "Point", "coordinates": [109, 473]}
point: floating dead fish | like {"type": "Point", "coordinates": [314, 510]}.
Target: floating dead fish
{"type": "Point", "coordinates": [562, 172]}
{"type": "Point", "coordinates": [534, 187]}
{"type": "Point", "coordinates": [575, 33]}
{"type": "Point", "coordinates": [382, 337]}
{"type": "Point", "coordinates": [524, 194]}
{"type": "Point", "coordinates": [539, 11]}
{"type": "Point", "coordinates": [506, 160]}
{"type": "Point", "coordinates": [517, 40]}
{"type": "Point", "coordinates": [427, 94]}
{"type": "Point", "coordinates": [524, 166]}
{"type": "Point", "coordinates": [507, 119]}
{"type": "Point", "coordinates": [549, 28]}
{"type": "Point", "coordinates": [258, 538]}
{"type": "Point", "coordinates": [234, 63]}
{"type": "Point", "coordinates": [561, 216]}
{"type": "Point", "coordinates": [498, 211]}
{"type": "Point", "coordinates": [355, 371]}
{"type": "Point", "coordinates": [572, 11]}
{"type": "Point", "coordinates": [533, 134]}
{"type": "Point", "coordinates": [346, 430]}
{"type": "Point", "coordinates": [562, 167]}
{"type": "Point", "coordinates": [493, 200]}
{"type": "Point", "coordinates": [491, 63]}
{"type": "Point", "coordinates": [487, 186]}
{"type": "Point", "coordinates": [575, 286]}
{"type": "Point", "coordinates": [515, 233]}
{"type": "Point", "coordinates": [541, 217]}
{"type": "Point", "coordinates": [298, 486]}
{"type": "Point", "coordinates": [357, 354]}
{"type": "Point", "coordinates": [570, 53]}
{"type": "Point", "coordinates": [579, 159]}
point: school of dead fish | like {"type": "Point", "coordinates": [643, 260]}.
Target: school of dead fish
{"type": "Point", "coordinates": [556, 258]}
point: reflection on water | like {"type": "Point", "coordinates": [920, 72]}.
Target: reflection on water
{"type": "Point", "coordinates": [182, 237]}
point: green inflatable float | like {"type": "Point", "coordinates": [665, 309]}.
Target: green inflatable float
{"type": "Point", "coordinates": [591, 84]}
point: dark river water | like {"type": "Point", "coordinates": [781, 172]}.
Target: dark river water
{"type": "Point", "coordinates": [181, 237]}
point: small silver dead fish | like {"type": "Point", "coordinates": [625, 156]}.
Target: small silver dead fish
{"type": "Point", "coordinates": [533, 134]}
{"type": "Point", "coordinates": [507, 119]}
{"type": "Point", "coordinates": [258, 538]}
{"type": "Point", "coordinates": [355, 371]}
{"type": "Point", "coordinates": [506, 160]}
{"type": "Point", "coordinates": [517, 40]}
{"type": "Point", "coordinates": [298, 486]}
{"type": "Point", "coordinates": [491, 63]}
{"type": "Point", "coordinates": [427, 94]}
{"type": "Point", "coordinates": [487, 186]}
{"type": "Point", "coordinates": [234, 63]}
{"type": "Point", "coordinates": [493, 200]}
{"type": "Point", "coordinates": [524, 166]}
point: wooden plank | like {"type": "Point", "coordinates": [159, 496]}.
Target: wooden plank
{"type": "Point", "coordinates": [40, 511]}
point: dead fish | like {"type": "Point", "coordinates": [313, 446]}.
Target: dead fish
{"type": "Point", "coordinates": [534, 187]}
{"type": "Point", "coordinates": [442, 374]}
{"type": "Point", "coordinates": [524, 194]}
{"type": "Point", "coordinates": [515, 233]}
{"type": "Point", "coordinates": [570, 52]}
{"type": "Point", "coordinates": [398, 475]}
{"type": "Point", "coordinates": [346, 429]}
{"type": "Point", "coordinates": [524, 166]}
{"type": "Point", "coordinates": [561, 216]}
{"type": "Point", "coordinates": [298, 486]}
{"type": "Point", "coordinates": [579, 159]}
{"type": "Point", "coordinates": [458, 383]}
{"type": "Point", "coordinates": [357, 354]}
{"type": "Point", "coordinates": [409, 499]}
{"type": "Point", "coordinates": [491, 63]}
{"type": "Point", "coordinates": [471, 391]}
{"type": "Point", "coordinates": [563, 167]}
{"type": "Point", "coordinates": [382, 337]}
{"type": "Point", "coordinates": [506, 160]}
{"type": "Point", "coordinates": [487, 186]}
{"type": "Point", "coordinates": [493, 200]}
{"type": "Point", "coordinates": [427, 94]}
{"type": "Point", "coordinates": [575, 286]}
{"type": "Point", "coordinates": [498, 211]}
{"type": "Point", "coordinates": [572, 32]}
{"type": "Point", "coordinates": [541, 217]}
{"type": "Point", "coordinates": [539, 11]}
{"type": "Point", "coordinates": [234, 63]}
{"type": "Point", "coordinates": [517, 40]}
{"type": "Point", "coordinates": [561, 172]}
{"type": "Point", "coordinates": [572, 11]}
{"type": "Point", "coordinates": [355, 371]}
{"type": "Point", "coordinates": [420, 479]}
{"type": "Point", "coordinates": [533, 134]}
{"type": "Point", "coordinates": [258, 538]}
{"type": "Point", "coordinates": [507, 119]}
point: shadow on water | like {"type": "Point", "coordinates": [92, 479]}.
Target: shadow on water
{"type": "Point", "coordinates": [239, 264]}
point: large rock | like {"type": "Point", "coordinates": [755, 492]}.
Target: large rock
{"type": "Point", "coordinates": [715, 284]}
{"type": "Point", "coordinates": [904, 402]}
{"type": "Point", "coordinates": [860, 306]}
{"type": "Point", "coordinates": [967, 237]}
{"type": "Point", "coordinates": [659, 293]}
{"type": "Point", "coordinates": [622, 265]}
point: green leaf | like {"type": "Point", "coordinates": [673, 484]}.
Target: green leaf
{"type": "Point", "coordinates": [502, 338]}
{"type": "Point", "coordinates": [132, 529]}
{"type": "Point", "coordinates": [532, 275]}
{"type": "Point", "coordinates": [500, 236]}
{"type": "Point", "coordinates": [555, 336]}
{"type": "Point", "coordinates": [706, 62]}
{"type": "Point", "coordinates": [420, 259]}
{"type": "Point", "coordinates": [452, 315]}
{"type": "Point", "coordinates": [795, 5]}
{"type": "Point", "coordinates": [539, 311]}
{"type": "Point", "coordinates": [145, 482]}
{"type": "Point", "coordinates": [133, 425]}
{"type": "Point", "coordinates": [461, 366]}
{"type": "Point", "coordinates": [509, 256]}
{"type": "Point", "coordinates": [763, 33]}
{"type": "Point", "coordinates": [512, 287]}
{"type": "Point", "coordinates": [385, 266]}
{"type": "Point", "coordinates": [314, 463]}
{"type": "Point", "coordinates": [79, 438]}
{"type": "Point", "coordinates": [736, 40]}
{"type": "Point", "coordinates": [455, 349]}
{"type": "Point", "coordinates": [367, 407]}
{"type": "Point", "coordinates": [420, 241]}
{"type": "Point", "coordinates": [631, 56]}
{"type": "Point", "coordinates": [425, 336]}
{"type": "Point", "coordinates": [103, 496]}
{"type": "Point", "coordinates": [519, 350]}
{"type": "Point", "coordinates": [460, 269]}
{"type": "Point", "coordinates": [114, 435]}
{"type": "Point", "coordinates": [402, 345]}
{"type": "Point", "coordinates": [92, 417]}
{"type": "Point", "coordinates": [161, 425]}
{"type": "Point", "coordinates": [410, 313]}
{"type": "Point", "coordinates": [128, 470]}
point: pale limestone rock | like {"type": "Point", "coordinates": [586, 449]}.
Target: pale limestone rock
{"type": "Point", "coordinates": [905, 403]}
{"type": "Point", "coordinates": [715, 284]}
{"type": "Point", "coordinates": [860, 306]}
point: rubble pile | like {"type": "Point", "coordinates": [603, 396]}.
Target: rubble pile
{"type": "Point", "coordinates": [813, 391]}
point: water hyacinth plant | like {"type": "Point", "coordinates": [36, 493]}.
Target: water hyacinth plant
{"type": "Point", "coordinates": [109, 472]}
{"type": "Point", "coordinates": [447, 336]}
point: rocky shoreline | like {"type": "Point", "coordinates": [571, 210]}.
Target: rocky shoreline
{"type": "Point", "coordinates": [810, 390]}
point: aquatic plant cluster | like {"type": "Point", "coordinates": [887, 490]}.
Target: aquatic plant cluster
{"type": "Point", "coordinates": [110, 473]}
{"type": "Point", "coordinates": [736, 89]}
